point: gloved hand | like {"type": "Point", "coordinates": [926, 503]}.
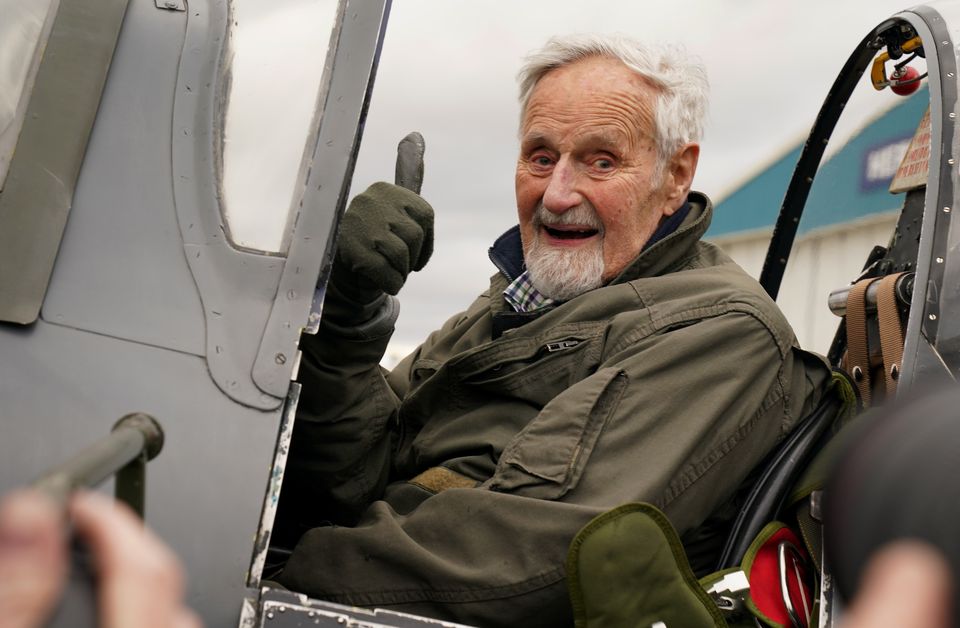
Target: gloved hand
{"type": "Point", "coordinates": [385, 233]}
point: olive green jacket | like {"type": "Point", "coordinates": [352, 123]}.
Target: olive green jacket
{"type": "Point", "coordinates": [464, 473]}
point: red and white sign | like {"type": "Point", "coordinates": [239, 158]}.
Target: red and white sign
{"type": "Point", "coordinates": [915, 166]}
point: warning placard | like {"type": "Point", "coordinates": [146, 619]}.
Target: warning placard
{"type": "Point", "coordinates": [915, 166]}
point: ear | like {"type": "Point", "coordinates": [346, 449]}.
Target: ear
{"type": "Point", "coordinates": [679, 177]}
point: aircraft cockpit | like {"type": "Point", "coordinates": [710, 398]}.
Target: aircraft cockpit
{"type": "Point", "coordinates": [166, 232]}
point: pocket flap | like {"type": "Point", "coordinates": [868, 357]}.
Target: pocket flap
{"type": "Point", "coordinates": [547, 457]}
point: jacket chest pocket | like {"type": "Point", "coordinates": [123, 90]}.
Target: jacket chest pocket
{"type": "Point", "coordinates": [482, 399]}
{"type": "Point", "coordinates": [535, 372]}
{"type": "Point", "coordinates": [548, 456]}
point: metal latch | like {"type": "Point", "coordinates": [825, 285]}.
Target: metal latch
{"type": "Point", "coordinates": [730, 593]}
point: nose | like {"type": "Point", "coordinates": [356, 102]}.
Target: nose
{"type": "Point", "coordinates": [561, 193]}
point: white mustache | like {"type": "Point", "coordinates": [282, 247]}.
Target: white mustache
{"type": "Point", "coordinates": [582, 215]}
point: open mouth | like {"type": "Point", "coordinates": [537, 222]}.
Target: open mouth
{"type": "Point", "coordinates": [570, 233]}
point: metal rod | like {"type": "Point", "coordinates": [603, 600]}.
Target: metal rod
{"type": "Point", "coordinates": [837, 301]}
{"type": "Point", "coordinates": [131, 483]}
{"type": "Point", "coordinates": [135, 439]}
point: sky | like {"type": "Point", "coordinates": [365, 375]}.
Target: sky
{"type": "Point", "coordinates": [448, 70]}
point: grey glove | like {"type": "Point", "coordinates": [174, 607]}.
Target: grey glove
{"type": "Point", "coordinates": [385, 233]}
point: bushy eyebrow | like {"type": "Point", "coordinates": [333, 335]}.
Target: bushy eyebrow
{"type": "Point", "coordinates": [604, 141]}
{"type": "Point", "coordinates": [533, 140]}
{"type": "Point", "coordinates": [594, 140]}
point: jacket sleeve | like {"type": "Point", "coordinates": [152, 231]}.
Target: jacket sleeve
{"type": "Point", "coordinates": [676, 418]}
{"type": "Point", "coordinates": [339, 451]}
{"type": "Point", "coordinates": [346, 423]}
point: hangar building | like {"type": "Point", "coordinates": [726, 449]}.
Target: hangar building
{"type": "Point", "coordinates": [850, 209]}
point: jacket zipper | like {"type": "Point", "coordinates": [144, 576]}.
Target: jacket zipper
{"type": "Point", "coordinates": [561, 345]}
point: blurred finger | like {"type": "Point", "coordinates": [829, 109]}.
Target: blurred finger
{"type": "Point", "coordinates": [187, 619]}
{"type": "Point", "coordinates": [141, 581]}
{"type": "Point", "coordinates": [907, 585]}
{"type": "Point", "coordinates": [33, 559]}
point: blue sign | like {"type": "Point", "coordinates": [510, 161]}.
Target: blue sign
{"type": "Point", "coordinates": [880, 163]}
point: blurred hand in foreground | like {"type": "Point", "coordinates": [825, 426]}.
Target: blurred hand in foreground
{"type": "Point", "coordinates": [33, 559]}
{"type": "Point", "coordinates": [140, 582]}
{"type": "Point", "coordinates": [906, 585]}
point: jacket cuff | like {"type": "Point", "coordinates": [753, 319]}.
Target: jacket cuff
{"type": "Point", "coordinates": [360, 322]}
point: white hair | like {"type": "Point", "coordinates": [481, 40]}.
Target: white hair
{"type": "Point", "coordinates": [680, 80]}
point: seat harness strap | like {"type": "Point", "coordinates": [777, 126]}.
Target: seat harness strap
{"type": "Point", "coordinates": [891, 332]}
{"type": "Point", "coordinates": [858, 352]}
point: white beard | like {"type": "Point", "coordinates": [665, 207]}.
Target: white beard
{"type": "Point", "coordinates": [563, 273]}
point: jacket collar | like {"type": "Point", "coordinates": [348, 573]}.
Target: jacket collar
{"type": "Point", "coordinates": [670, 253]}
{"type": "Point", "coordinates": [670, 244]}
{"type": "Point", "coordinates": [507, 254]}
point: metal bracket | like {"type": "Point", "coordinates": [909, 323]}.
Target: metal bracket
{"type": "Point", "coordinates": [135, 439]}
{"type": "Point", "coordinates": [730, 594]}
{"type": "Point", "coordinates": [171, 5]}
{"type": "Point", "coordinates": [286, 609]}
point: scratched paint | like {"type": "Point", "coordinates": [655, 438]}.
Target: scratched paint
{"type": "Point", "coordinates": [272, 497]}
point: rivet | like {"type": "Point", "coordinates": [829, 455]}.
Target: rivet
{"type": "Point", "coordinates": [951, 161]}
{"type": "Point", "coordinates": [946, 43]}
{"type": "Point", "coordinates": [809, 179]}
{"type": "Point", "coordinates": [939, 260]}
{"type": "Point", "coordinates": [894, 372]}
{"type": "Point", "coordinates": [946, 210]}
{"type": "Point", "coordinates": [280, 358]}
{"type": "Point", "coordinates": [311, 614]}
{"type": "Point", "coordinates": [951, 115]}
{"type": "Point", "coordinates": [283, 609]}
{"type": "Point", "coordinates": [950, 74]}
{"type": "Point", "coordinates": [783, 260]}
{"type": "Point", "coordinates": [857, 374]}
{"type": "Point", "coordinates": [269, 615]}
{"type": "Point", "coordinates": [932, 317]}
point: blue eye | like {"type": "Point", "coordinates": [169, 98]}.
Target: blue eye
{"type": "Point", "coordinates": [603, 164]}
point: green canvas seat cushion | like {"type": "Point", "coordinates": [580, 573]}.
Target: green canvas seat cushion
{"type": "Point", "coordinates": [627, 567]}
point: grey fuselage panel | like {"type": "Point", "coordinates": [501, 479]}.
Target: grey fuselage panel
{"type": "Point", "coordinates": [151, 308]}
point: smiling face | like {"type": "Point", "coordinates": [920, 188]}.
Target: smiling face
{"type": "Point", "coordinates": [587, 197]}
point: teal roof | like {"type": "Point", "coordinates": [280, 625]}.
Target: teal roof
{"type": "Point", "coordinates": [846, 188]}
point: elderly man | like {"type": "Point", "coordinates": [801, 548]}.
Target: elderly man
{"type": "Point", "coordinates": [614, 358]}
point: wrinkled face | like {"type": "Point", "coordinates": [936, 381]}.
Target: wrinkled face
{"type": "Point", "coordinates": [586, 195]}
